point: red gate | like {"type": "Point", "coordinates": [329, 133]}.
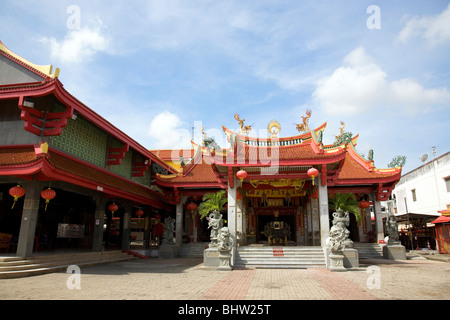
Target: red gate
{"type": "Point", "coordinates": [443, 237]}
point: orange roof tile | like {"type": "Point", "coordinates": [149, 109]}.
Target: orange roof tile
{"type": "Point", "coordinates": [17, 156]}
{"type": "Point", "coordinates": [352, 170]}
{"type": "Point", "coordinates": [199, 173]}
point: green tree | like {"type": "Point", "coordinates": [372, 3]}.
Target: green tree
{"type": "Point", "coordinates": [397, 162]}
{"type": "Point", "coordinates": [211, 202]}
{"type": "Point", "coordinates": [346, 202]}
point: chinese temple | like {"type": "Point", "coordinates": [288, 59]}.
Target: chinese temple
{"type": "Point", "coordinates": [287, 180]}
{"type": "Point", "coordinates": [68, 174]}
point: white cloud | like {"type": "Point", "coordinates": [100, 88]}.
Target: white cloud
{"type": "Point", "coordinates": [434, 29]}
{"type": "Point", "coordinates": [361, 84]}
{"type": "Point", "coordinates": [167, 132]}
{"type": "Point", "coordinates": [78, 44]}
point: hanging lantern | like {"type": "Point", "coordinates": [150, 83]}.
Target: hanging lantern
{"type": "Point", "coordinates": [139, 212]}
{"type": "Point", "coordinates": [364, 204]}
{"type": "Point", "coordinates": [192, 207]}
{"type": "Point", "coordinates": [113, 207]}
{"type": "Point", "coordinates": [16, 192]}
{"type": "Point", "coordinates": [241, 174]}
{"type": "Point", "coordinates": [313, 173]}
{"type": "Point", "coordinates": [48, 194]}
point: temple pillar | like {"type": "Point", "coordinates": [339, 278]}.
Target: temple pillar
{"type": "Point", "coordinates": [97, 241]}
{"type": "Point", "coordinates": [309, 223]}
{"type": "Point", "coordinates": [30, 213]}
{"type": "Point", "coordinates": [378, 219]}
{"type": "Point", "coordinates": [323, 212]}
{"type": "Point", "coordinates": [126, 226]}
{"type": "Point", "coordinates": [239, 222]}
{"type": "Point", "coordinates": [179, 224]}
{"type": "Point", "coordinates": [232, 216]}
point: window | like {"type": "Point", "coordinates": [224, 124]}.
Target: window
{"type": "Point", "coordinates": [447, 183]}
{"type": "Point", "coordinates": [413, 191]}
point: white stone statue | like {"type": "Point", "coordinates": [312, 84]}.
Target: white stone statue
{"type": "Point", "coordinates": [215, 223]}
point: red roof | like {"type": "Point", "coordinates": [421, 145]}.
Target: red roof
{"type": "Point", "coordinates": [301, 151]}
{"type": "Point", "coordinates": [24, 162]}
{"type": "Point", "coordinates": [55, 87]}
{"type": "Point", "coordinates": [441, 219]}
{"type": "Point", "coordinates": [353, 170]}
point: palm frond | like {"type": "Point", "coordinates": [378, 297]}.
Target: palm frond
{"type": "Point", "coordinates": [346, 202]}
{"type": "Point", "coordinates": [211, 202]}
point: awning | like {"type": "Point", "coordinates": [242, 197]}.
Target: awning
{"type": "Point", "coordinates": [416, 218]}
{"type": "Point", "coordinates": [441, 219]}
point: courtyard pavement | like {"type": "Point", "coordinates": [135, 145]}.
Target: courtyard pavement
{"type": "Point", "coordinates": [183, 287]}
{"type": "Point", "coordinates": [186, 279]}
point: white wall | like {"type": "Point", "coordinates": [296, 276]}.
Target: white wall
{"type": "Point", "coordinates": [431, 190]}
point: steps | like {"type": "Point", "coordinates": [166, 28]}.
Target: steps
{"type": "Point", "coordinates": [192, 249]}
{"type": "Point", "coordinates": [279, 257]}
{"type": "Point", "coordinates": [369, 250]}
{"type": "Point", "coordinates": [17, 267]}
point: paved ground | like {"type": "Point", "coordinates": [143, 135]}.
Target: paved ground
{"type": "Point", "coordinates": [187, 279]}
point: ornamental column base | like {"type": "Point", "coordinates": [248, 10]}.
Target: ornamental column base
{"type": "Point", "coordinates": [337, 261]}
{"type": "Point", "coordinates": [224, 260]}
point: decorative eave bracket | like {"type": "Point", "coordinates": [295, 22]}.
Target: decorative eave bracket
{"type": "Point", "coordinates": [115, 155]}
{"type": "Point", "coordinates": [139, 168]}
{"type": "Point", "coordinates": [40, 123]}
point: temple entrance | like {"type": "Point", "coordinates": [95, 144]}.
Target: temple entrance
{"type": "Point", "coordinates": [278, 223]}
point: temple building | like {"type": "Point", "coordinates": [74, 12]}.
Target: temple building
{"type": "Point", "coordinates": [285, 180]}
{"type": "Point", "coordinates": [86, 183]}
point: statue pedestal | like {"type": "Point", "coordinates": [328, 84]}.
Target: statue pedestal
{"type": "Point", "coordinates": [168, 251]}
{"type": "Point", "coordinates": [394, 252]}
{"type": "Point", "coordinates": [224, 260]}
{"type": "Point", "coordinates": [351, 258]}
{"type": "Point", "coordinates": [211, 257]}
{"type": "Point", "coordinates": [337, 261]}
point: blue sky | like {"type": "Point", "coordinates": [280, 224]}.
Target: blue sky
{"type": "Point", "coordinates": [157, 68]}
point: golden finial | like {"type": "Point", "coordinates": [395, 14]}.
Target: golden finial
{"type": "Point", "coordinates": [274, 128]}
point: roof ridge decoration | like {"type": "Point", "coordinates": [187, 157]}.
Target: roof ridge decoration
{"type": "Point", "coordinates": [303, 138]}
{"type": "Point", "coordinates": [242, 128]}
{"type": "Point", "coordinates": [274, 127]}
{"type": "Point", "coordinates": [46, 70]}
{"type": "Point", "coordinates": [303, 127]}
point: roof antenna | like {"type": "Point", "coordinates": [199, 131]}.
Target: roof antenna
{"type": "Point", "coordinates": [433, 151]}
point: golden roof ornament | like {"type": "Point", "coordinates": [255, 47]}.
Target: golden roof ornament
{"type": "Point", "coordinates": [242, 129]}
{"type": "Point", "coordinates": [274, 128]}
{"type": "Point", "coordinates": [303, 127]}
{"type": "Point", "coordinates": [341, 129]}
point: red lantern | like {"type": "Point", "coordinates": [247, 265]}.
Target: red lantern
{"type": "Point", "coordinates": [241, 174]}
{"type": "Point", "coordinates": [191, 207]}
{"type": "Point", "coordinates": [313, 172]}
{"type": "Point", "coordinates": [48, 194]}
{"type": "Point", "coordinates": [139, 213]}
{"type": "Point", "coordinates": [113, 207]}
{"type": "Point", "coordinates": [364, 204]}
{"type": "Point", "coordinates": [16, 192]}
